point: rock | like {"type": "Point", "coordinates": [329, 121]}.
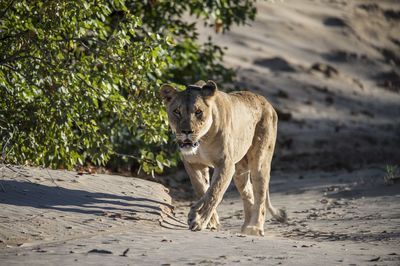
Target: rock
{"type": "Point", "coordinates": [275, 64]}
{"type": "Point", "coordinates": [328, 70]}
{"type": "Point", "coordinates": [334, 22]}
{"type": "Point", "coordinates": [282, 115]}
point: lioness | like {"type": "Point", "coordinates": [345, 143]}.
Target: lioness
{"type": "Point", "coordinates": [233, 133]}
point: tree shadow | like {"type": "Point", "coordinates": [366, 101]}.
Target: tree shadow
{"type": "Point", "coordinates": [367, 191]}
{"type": "Point", "coordinates": [40, 196]}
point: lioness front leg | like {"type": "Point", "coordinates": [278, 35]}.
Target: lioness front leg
{"type": "Point", "coordinates": [200, 179]}
{"type": "Point", "coordinates": [201, 212]}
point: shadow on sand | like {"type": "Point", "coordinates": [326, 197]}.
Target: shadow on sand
{"type": "Point", "coordinates": [73, 200]}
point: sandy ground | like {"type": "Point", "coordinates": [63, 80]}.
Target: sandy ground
{"type": "Point", "coordinates": [40, 205]}
{"type": "Point", "coordinates": [334, 219]}
{"type": "Point", "coordinates": [331, 69]}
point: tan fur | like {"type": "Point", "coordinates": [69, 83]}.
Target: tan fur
{"type": "Point", "coordinates": [236, 135]}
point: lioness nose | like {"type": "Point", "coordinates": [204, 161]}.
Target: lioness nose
{"type": "Point", "coordinates": [187, 132]}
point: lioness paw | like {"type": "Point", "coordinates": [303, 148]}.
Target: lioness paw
{"type": "Point", "coordinates": [253, 230]}
{"type": "Point", "coordinates": [198, 218]}
{"type": "Point", "coordinates": [197, 223]}
{"type": "Point", "coordinates": [196, 226]}
{"type": "Point", "coordinates": [213, 224]}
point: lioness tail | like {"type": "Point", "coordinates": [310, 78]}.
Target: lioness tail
{"type": "Point", "coordinates": [279, 214]}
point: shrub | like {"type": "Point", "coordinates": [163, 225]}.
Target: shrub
{"type": "Point", "coordinates": [79, 79]}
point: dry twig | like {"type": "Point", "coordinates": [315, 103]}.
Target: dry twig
{"type": "Point", "coordinates": [52, 179]}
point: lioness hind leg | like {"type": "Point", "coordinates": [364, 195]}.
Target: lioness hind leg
{"type": "Point", "coordinates": [200, 179]}
{"type": "Point", "coordinates": [260, 157]}
{"type": "Point", "coordinates": [244, 186]}
{"type": "Point", "coordinates": [260, 181]}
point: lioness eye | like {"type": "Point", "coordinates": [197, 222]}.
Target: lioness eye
{"type": "Point", "coordinates": [198, 112]}
{"type": "Point", "coordinates": [177, 112]}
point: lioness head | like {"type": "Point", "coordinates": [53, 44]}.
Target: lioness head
{"type": "Point", "coordinates": [189, 113]}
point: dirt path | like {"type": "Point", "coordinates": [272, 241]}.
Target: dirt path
{"type": "Point", "coordinates": [40, 205]}
{"type": "Point", "coordinates": [335, 219]}
{"type": "Point", "coordinates": [331, 68]}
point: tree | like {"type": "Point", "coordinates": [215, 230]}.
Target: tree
{"type": "Point", "coordinates": [79, 79]}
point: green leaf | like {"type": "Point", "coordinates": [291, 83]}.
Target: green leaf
{"type": "Point", "coordinates": [81, 78]}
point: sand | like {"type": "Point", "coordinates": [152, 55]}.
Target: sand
{"type": "Point", "coordinates": [335, 219]}
{"type": "Point", "coordinates": [331, 69]}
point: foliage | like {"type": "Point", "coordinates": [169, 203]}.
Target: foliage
{"type": "Point", "coordinates": [391, 174]}
{"type": "Point", "coordinates": [79, 79]}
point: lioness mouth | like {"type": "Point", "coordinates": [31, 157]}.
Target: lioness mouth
{"type": "Point", "coordinates": [188, 144]}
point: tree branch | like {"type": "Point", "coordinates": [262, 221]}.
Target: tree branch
{"type": "Point", "coordinates": [152, 162]}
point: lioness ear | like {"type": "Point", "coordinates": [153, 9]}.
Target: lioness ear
{"type": "Point", "coordinates": [200, 83]}
{"type": "Point", "coordinates": [209, 89]}
{"type": "Point", "coordinates": [167, 92]}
